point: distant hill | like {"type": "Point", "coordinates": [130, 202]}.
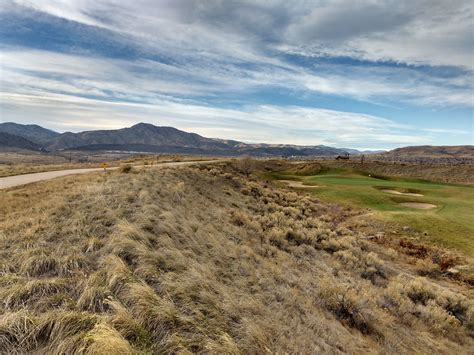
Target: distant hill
{"type": "Point", "coordinates": [148, 138]}
{"type": "Point", "coordinates": [31, 132]}
{"type": "Point", "coordinates": [144, 137]}
{"type": "Point", "coordinates": [430, 151]}
{"type": "Point", "coordinates": [9, 141]}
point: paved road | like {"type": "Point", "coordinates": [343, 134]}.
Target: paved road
{"type": "Point", "coordinates": [17, 180]}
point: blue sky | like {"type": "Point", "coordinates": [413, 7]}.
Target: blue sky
{"type": "Point", "coordinates": [359, 74]}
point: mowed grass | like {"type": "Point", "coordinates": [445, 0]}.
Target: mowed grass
{"type": "Point", "coordinates": [450, 224]}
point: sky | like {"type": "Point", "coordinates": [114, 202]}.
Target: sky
{"type": "Point", "coordinates": [357, 74]}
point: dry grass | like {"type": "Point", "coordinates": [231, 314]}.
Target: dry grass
{"type": "Point", "coordinates": [15, 163]}
{"type": "Point", "coordinates": [206, 260]}
{"type": "Point", "coordinates": [448, 173]}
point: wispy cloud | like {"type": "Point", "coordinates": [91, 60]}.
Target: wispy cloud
{"type": "Point", "coordinates": [146, 79]}
{"type": "Point", "coordinates": [427, 31]}
{"type": "Point", "coordinates": [266, 124]}
{"type": "Point", "coordinates": [227, 68]}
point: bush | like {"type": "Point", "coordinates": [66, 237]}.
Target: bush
{"type": "Point", "coordinates": [425, 267]}
{"type": "Point", "coordinates": [246, 166]}
{"type": "Point", "coordinates": [241, 219]}
{"type": "Point", "coordinates": [374, 269]}
{"type": "Point", "coordinates": [439, 320]}
{"type": "Point", "coordinates": [127, 168]}
{"type": "Point", "coordinates": [458, 306]}
{"type": "Point", "coordinates": [348, 306]}
{"type": "Point", "coordinates": [419, 291]}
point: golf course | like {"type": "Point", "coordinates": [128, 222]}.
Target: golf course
{"type": "Point", "coordinates": [441, 212]}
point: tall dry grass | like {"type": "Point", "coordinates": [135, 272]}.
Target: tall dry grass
{"type": "Point", "coordinates": [207, 260]}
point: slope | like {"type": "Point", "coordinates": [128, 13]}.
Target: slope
{"type": "Point", "coordinates": [429, 151]}
{"type": "Point", "coordinates": [10, 141]}
{"type": "Point", "coordinates": [205, 260]}
{"type": "Point", "coordinates": [31, 132]}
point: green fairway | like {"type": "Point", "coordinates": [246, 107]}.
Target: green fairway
{"type": "Point", "coordinates": [449, 224]}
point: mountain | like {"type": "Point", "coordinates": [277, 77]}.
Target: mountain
{"type": "Point", "coordinates": [144, 137]}
{"type": "Point", "coordinates": [9, 141]}
{"type": "Point", "coordinates": [31, 132]}
{"type": "Point", "coordinates": [141, 135]}
{"type": "Point", "coordinates": [359, 152]}
{"type": "Point", "coordinates": [288, 150]}
{"type": "Point", "coordinates": [430, 151]}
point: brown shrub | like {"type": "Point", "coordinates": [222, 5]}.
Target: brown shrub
{"type": "Point", "coordinates": [348, 306]}
{"type": "Point", "coordinates": [126, 168]}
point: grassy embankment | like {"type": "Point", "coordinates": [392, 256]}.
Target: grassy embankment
{"type": "Point", "coordinates": [450, 224]}
{"type": "Point", "coordinates": [209, 260]}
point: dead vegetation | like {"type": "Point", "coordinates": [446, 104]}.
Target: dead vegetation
{"type": "Point", "coordinates": [448, 173]}
{"type": "Point", "coordinates": [204, 259]}
{"type": "Point", "coordinates": [15, 163]}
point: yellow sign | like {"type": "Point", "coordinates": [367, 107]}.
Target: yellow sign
{"type": "Point", "coordinates": [104, 165]}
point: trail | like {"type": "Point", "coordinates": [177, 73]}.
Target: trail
{"type": "Point", "coordinates": [23, 179]}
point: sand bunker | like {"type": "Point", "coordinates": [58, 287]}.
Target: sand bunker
{"type": "Point", "coordinates": [395, 192]}
{"type": "Point", "coordinates": [299, 184]}
{"type": "Point", "coordinates": [419, 205]}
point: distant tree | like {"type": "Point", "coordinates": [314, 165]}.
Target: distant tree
{"type": "Point", "coordinates": [246, 165]}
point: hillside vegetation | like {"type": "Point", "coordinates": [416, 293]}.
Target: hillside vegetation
{"type": "Point", "coordinates": [430, 151]}
{"type": "Point", "coordinates": [17, 164]}
{"type": "Point", "coordinates": [449, 223]}
{"type": "Point", "coordinates": [8, 141]}
{"type": "Point", "coordinates": [209, 259]}
{"type": "Point", "coordinates": [449, 173]}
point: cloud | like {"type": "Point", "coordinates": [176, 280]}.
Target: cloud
{"type": "Point", "coordinates": [143, 80]}
{"type": "Point", "coordinates": [256, 123]}
{"type": "Point", "coordinates": [216, 46]}
{"type": "Point", "coordinates": [209, 66]}
{"type": "Point", "coordinates": [433, 32]}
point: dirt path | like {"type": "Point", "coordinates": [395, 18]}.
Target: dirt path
{"type": "Point", "coordinates": [17, 180]}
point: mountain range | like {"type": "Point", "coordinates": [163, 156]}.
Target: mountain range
{"type": "Point", "coordinates": [147, 138]}
{"type": "Point", "coordinates": [144, 137]}
{"type": "Point", "coordinates": [32, 132]}
{"type": "Point", "coordinates": [433, 151]}
{"type": "Point", "coordinates": [8, 141]}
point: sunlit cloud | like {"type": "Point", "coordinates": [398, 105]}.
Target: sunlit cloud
{"type": "Point", "coordinates": [325, 72]}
